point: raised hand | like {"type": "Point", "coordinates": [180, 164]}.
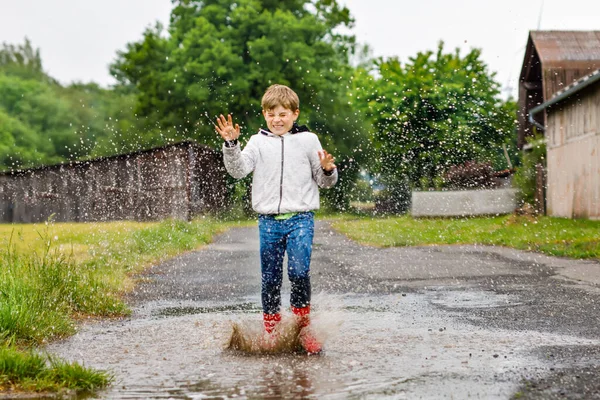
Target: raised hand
{"type": "Point", "coordinates": [226, 129]}
{"type": "Point", "coordinates": [326, 160]}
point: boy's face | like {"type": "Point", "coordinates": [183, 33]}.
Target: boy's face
{"type": "Point", "coordinates": [280, 119]}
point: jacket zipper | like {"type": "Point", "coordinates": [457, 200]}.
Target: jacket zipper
{"type": "Point", "coordinates": [281, 179]}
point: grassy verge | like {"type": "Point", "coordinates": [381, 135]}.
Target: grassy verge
{"type": "Point", "coordinates": [553, 236]}
{"type": "Point", "coordinates": [53, 274]}
{"type": "Point", "coordinates": [30, 371]}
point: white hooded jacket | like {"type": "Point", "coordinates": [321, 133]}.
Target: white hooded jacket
{"type": "Point", "coordinates": [287, 171]}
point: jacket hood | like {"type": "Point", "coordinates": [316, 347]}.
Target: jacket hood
{"type": "Point", "coordinates": [295, 129]}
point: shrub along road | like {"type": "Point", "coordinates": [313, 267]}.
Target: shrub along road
{"type": "Point", "coordinates": [434, 321]}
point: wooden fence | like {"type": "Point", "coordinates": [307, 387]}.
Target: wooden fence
{"type": "Point", "coordinates": [176, 181]}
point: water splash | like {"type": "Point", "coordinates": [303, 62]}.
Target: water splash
{"type": "Point", "coordinates": [249, 336]}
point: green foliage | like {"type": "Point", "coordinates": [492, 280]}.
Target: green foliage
{"type": "Point", "coordinates": [525, 177]}
{"type": "Point", "coordinates": [45, 123]}
{"type": "Point", "coordinates": [19, 144]}
{"type": "Point", "coordinates": [239, 201]}
{"type": "Point", "coordinates": [28, 370]}
{"type": "Point", "coordinates": [103, 120]}
{"type": "Point", "coordinates": [22, 60]}
{"type": "Point", "coordinates": [339, 196]}
{"type": "Point", "coordinates": [437, 110]}
{"type": "Point", "coordinates": [220, 56]}
{"type": "Point", "coordinates": [42, 122]}
{"type": "Point", "coordinates": [363, 192]}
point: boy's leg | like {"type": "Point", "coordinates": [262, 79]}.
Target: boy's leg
{"type": "Point", "coordinates": [272, 247]}
{"type": "Point", "coordinates": [299, 250]}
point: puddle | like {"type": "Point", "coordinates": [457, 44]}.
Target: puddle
{"type": "Point", "coordinates": [462, 299]}
{"type": "Point", "coordinates": [376, 346]}
{"type": "Point", "coordinates": [226, 309]}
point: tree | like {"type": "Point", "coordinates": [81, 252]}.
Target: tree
{"type": "Point", "coordinates": [19, 144]}
{"type": "Point", "coordinates": [437, 110]}
{"type": "Point", "coordinates": [42, 122]}
{"type": "Point", "coordinates": [22, 59]}
{"type": "Point", "coordinates": [108, 125]}
{"type": "Point", "coordinates": [219, 56]}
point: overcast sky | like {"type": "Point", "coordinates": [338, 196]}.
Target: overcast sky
{"type": "Point", "coordinates": [79, 38]}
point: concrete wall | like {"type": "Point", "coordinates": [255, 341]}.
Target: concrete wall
{"type": "Point", "coordinates": [463, 203]}
{"type": "Point", "coordinates": [573, 160]}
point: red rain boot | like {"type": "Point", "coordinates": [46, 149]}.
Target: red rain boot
{"type": "Point", "coordinates": [271, 321]}
{"type": "Point", "coordinates": [268, 340]}
{"type": "Point", "coordinates": [307, 339]}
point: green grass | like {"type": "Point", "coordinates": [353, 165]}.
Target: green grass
{"type": "Point", "coordinates": [53, 274]}
{"type": "Point", "coordinates": [31, 371]}
{"type": "Point", "coordinates": [41, 292]}
{"type": "Point", "coordinates": [553, 236]}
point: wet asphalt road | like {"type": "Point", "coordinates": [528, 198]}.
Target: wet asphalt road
{"type": "Point", "coordinates": [422, 322]}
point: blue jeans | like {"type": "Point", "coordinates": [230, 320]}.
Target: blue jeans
{"type": "Point", "coordinates": [294, 236]}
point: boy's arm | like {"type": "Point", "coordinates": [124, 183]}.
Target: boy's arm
{"type": "Point", "coordinates": [237, 162]}
{"type": "Point", "coordinates": [324, 170]}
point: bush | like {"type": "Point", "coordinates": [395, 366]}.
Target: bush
{"type": "Point", "coordinates": [470, 175]}
{"type": "Point", "coordinates": [338, 197]}
{"type": "Point", "coordinates": [525, 176]}
{"type": "Point", "coordinates": [362, 191]}
{"type": "Point", "coordinates": [395, 199]}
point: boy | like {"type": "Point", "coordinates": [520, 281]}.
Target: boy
{"type": "Point", "coordinates": [288, 166]}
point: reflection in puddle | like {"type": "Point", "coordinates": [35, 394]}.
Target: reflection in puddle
{"type": "Point", "coordinates": [274, 382]}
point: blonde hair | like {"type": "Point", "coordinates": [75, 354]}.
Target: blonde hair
{"type": "Point", "coordinates": [280, 95]}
